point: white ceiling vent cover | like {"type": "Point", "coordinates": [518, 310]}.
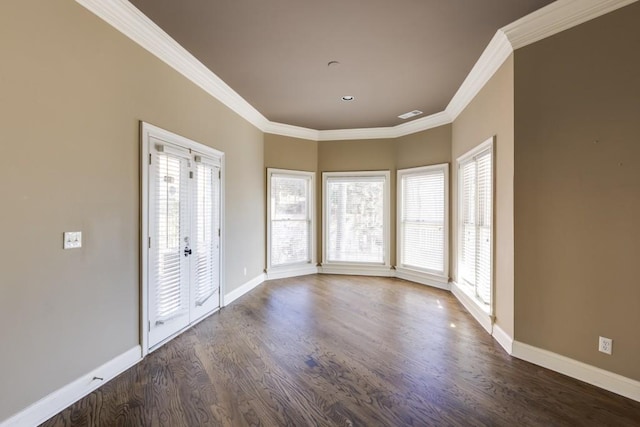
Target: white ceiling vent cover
{"type": "Point", "coordinates": [410, 114]}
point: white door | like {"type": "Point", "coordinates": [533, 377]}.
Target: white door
{"type": "Point", "coordinates": [184, 238]}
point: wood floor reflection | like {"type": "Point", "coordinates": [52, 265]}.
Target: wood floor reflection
{"type": "Point", "coordinates": [343, 351]}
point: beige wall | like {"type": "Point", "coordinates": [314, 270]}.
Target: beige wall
{"type": "Point", "coordinates": [577, 205]}
{"type": "Point", "coordinates": [429, 147]}
{"type": "Point", "coordinates": [73, 92]}
{"type": "Point", "coordinates": [491, 113]}
{"type": "Point", "coordinates": [285, 152]}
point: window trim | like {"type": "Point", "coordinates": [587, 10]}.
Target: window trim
{"type": "Point", "coordinates": [346, 267]}
{"type": "Point", "coordinates": [422, 275]}
{"type": "Point", "coordinates": [295, 268]}
{"type": "Point", "coordinates": [487, 145]}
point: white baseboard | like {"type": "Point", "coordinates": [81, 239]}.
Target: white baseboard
{"type": "Point", "coordinates": [480, 315]}
{"type": "Point", "coordinates": [503, 338]}
{"type": "Point", "coordinates": [60, 399]}
{"type": "Point", "coordinates": [243, 289]}
{"type": "Point", "coordinates": [590, 374]}
{"type": "Point", "coordinates": [357, 270]}
{"type": "Point", "coordinates": [423, 278]}
{"type": "Point", "coordinates": [284, 273]}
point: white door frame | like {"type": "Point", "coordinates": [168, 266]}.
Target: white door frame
{"type": "Point", "coordinates": [148, 131]}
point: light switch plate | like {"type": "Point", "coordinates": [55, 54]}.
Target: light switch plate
{"type": "Point", "coordinates": [72, 239]}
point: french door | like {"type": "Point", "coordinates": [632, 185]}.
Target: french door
{"type": "Point", "coordinates": [183, 220]}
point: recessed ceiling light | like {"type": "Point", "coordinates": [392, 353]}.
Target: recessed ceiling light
{"type": "Point", "coordinates": [410, 114]}
{"type": "Point", "coordinates": [348, 98]}
{"type": "Point", "coordinates": [333, 64]}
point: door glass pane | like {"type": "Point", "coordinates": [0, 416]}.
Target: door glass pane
{"type": "Point", "coordinates": [169, 216]}
{"type": "Point", "coordinates": [206, 272]}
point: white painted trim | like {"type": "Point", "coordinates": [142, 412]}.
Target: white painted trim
{"type": "Point", "coordinates": [357, 270]}
{"type": "Point", "coordinates": [494, 55]}
{"type": "Point", "coordinates": [553, 18]}
{"type": "Point", "coordinates": [557, 17]}
{"type": "Point", "coordinates": [485, 320]}
{"type": "Point", "coordinates": [291, 271]}
{"type": "Point", "coordinates": [598, 377]}
{"type": "Point", "coordinates": [423, 278]}
{"type": "Point", "coordinates": [60, 399]}
{"type": "Point", "coordinates": [503, 338]}
{"type": "Point", "coordinates": [292, 131]}
{"type": "Point", "coordinates": [350, 134]}
{"type": "Point", "coordinates": [144, 238]}
{"type": "Point", "coordinates": [414, 126]}
{"type": "Point", "coordinates": [424, 123]}
{"type": "Point", "coordinates": [243, 289]}
{"type": "Point", "coordinates": [386, 220]}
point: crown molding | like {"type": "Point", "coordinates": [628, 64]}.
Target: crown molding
{"type": "Point", "coordinates": [557, 17]}
{"type": "Point", "coordinates": [551, 19]}
{"type": "Point", "coordinates": [424, 123]}
{"type": "Point", "coordinates": [414, 126]}
{"type": "Point", "coordinates": [126, 18]}
{"type": "Point", "coordinates": [292, 131]}
{"type": "Point", "coordinates": [492, 58]}
{"type": "Point", "coordinates": [351, 134]}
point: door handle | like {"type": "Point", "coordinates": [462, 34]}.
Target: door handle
{"type": "Point", "coordinates": [187, 251]}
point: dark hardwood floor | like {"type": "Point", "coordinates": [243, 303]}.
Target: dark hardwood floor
{"type": "Point", "coordinates": [343, 351]}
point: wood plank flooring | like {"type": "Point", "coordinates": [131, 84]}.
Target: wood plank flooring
{"type": "Point", "coordinates": [343, 351]}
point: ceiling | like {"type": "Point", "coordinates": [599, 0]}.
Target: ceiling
{"type": "Point", "coordinates": [393, 56]}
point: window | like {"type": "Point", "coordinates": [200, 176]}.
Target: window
{"type": "Point", "coordinates": [423, 222]}
{"type": "Point", "coordinates": [356, 217]}
{"type": "Point", "coordinates": [475, 223]}
{"type": "Point", "coordinates": [290, 219]}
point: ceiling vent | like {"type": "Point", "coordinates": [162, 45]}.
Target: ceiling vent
{"type": "Point", "coordinates": [410, 114]}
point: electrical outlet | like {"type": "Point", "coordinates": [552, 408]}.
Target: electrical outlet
{"type": "Point", "coordinates": [605, 345]}
{"type": "Point", "coordinates": [245, 271]}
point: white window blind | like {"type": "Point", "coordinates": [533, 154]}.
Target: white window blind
{"type": "Point", "coordinates": [290, 219]}
{"type": "Point", "coordinates": [422, 218]}
{"type": "Point", "coordinates": [206, 233]}
{"type": "Point", "coordinates": [169, 269]}
{"type": "Point", "coordinates": [476, 219]}
{"type": "Point", "coordinates": [355, 219]}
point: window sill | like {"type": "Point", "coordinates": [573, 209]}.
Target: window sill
{"type": "Point", "coordinates": [481, 312]}
{"type": "Point", "coordinates": [357, 269]}
{"type": "Point", "coordinates": [423, 277]}
{"type": "Point", "coordinates": [291, 270]}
